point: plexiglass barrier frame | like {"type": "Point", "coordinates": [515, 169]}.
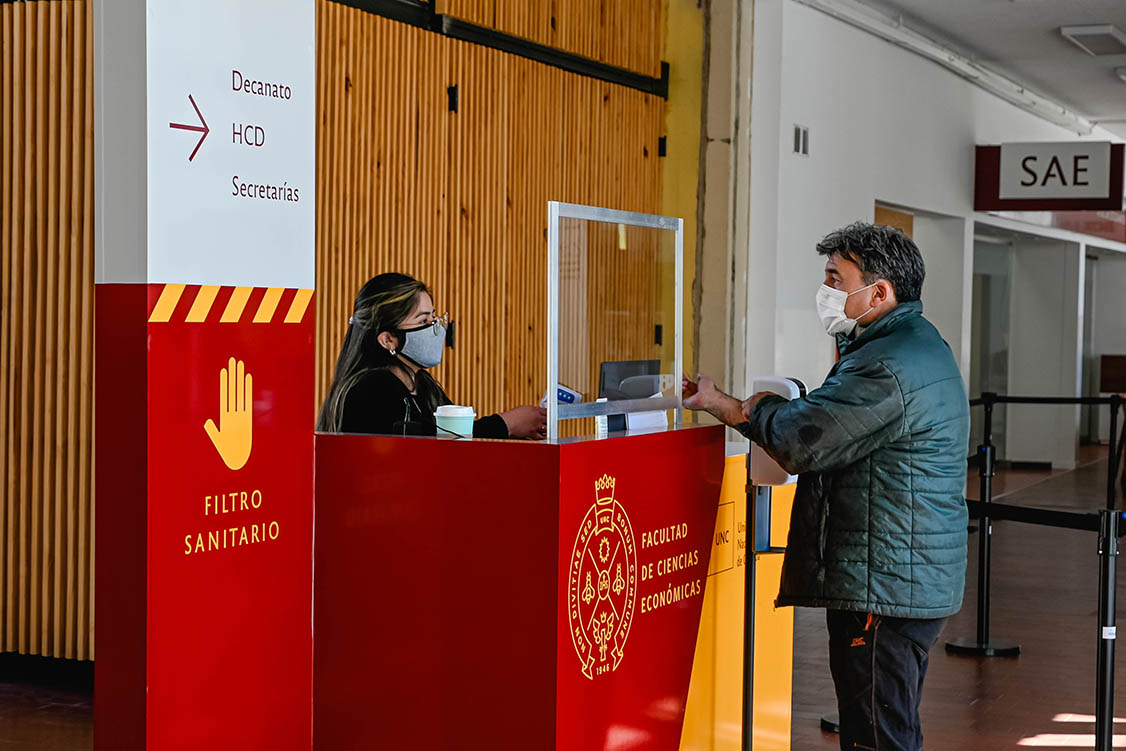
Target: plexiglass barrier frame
{"type": "Point", "coordinates": [556, 212]}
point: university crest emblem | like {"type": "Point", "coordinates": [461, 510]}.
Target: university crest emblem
{"type": "Point", "coordinates": [602, 582]}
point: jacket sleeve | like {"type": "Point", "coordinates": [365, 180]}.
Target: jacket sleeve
{"type": "Point", "coordinates": [856, 411]}
{"type": "Point", "coordinates": [492, 426]}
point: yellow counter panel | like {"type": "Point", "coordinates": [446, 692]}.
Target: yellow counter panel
{"type": "Point", "coordinates": [713, 720]}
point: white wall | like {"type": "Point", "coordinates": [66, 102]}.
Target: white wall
{"type": "Point", "coordinates": [1044, 350]}
{"type": "Point", "coordinates": [1109, 325]}
{"type": "Point", "coordinates": [885, 125]}
{"type": "Point", "coordinates": [942, 242]}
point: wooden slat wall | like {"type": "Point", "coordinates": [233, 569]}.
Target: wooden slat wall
{"type": "Point", "coordinates": [46, 358]}
{"type": "Point", "coordinates": [382, 131]}
{"type": "Point", "coordinates": [457, 199]}
{"type": "Point", "coordinates": [524, 134]}
{"type": "Point", "coordinates": [624, 33]}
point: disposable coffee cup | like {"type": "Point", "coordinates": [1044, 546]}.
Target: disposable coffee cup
{"type": "Point", "coordinates": [454, 421]}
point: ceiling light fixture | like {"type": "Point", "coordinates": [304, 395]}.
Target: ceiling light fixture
{"type": "Point", "coordinates": [1121, 73]}
{"type": "Point", "coordinates": [1098, 40]}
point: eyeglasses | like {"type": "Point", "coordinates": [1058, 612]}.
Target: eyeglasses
{"type": "Point", "coordinates": [440, 324]}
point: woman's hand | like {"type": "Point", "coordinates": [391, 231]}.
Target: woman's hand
{"type": "Point", "coordinates": [526, 423]}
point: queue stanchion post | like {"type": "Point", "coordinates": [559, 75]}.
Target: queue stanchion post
{"type": "Point", "coordinates": [1112, 453]}
{"type": "Point", "coordinates": [1109, 524]}
{"type": "Point", "coordinates": [1120, 456]}
{"type": "Point", "coordinates": [981, 645]}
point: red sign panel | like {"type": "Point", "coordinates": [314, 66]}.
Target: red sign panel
{"type": "Point", "coordinates": [228, 438]}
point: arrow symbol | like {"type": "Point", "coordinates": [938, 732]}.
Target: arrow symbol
{"type": "Point", "coordinates": [204, 129]}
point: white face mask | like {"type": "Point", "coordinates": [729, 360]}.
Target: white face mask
{"type": "Point", "coordinates": [831, 310]}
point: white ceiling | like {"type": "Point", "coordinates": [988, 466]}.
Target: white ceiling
{"type": "Point", "coordinates": [1021, 39]}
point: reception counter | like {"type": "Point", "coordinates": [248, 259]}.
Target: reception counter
{"type": "Point", "coordinates": [505, 595]}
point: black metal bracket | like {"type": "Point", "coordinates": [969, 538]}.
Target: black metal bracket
{"type": "Point", "coordinates": [422, 15]}
{"type": "Point", "coordinates": [755, 495]}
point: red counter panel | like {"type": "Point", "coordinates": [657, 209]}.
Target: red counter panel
{"type": "Point", "coordinates": [636, 518]}
{"type": "Point", "coordinates": [502, 595]}
{"type": "Point", "coordinates": [434, 598]}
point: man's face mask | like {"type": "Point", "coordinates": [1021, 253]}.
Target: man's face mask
{"type": "Point", "coordinates": [424, 345]}
{"type": "Point", "coordinates": [831, 310]}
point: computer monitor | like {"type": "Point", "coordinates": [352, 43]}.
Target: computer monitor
{"type": "Point", "coordinates": [627, 379]}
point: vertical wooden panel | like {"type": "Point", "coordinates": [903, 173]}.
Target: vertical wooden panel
{"type": "Point", "coordinates": [381, 168]}
{"type": "Point", "coordinates": [624, 33]}
{"type": "Point", "coordinates": [403, 184]}
{"type": "Point", "coordinates": [524, 134]}
{"type": "Point", "coordinates": [46, 365]}
{"type": "Point", "coordinates": [478, 253]}
{"type": "Point", "coordinates": [8, 214]}
{"type": "Point", "coordinates": [534, 177]}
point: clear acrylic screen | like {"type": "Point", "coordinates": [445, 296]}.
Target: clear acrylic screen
{"type": "Point", "coordinates": [617, 318]}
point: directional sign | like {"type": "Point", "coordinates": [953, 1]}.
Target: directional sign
{"type": "Point", "coordinates": [239, 78]}
{"type": "Point", "coordinates": [201, 128]}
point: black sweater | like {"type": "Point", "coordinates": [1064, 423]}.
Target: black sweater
{"type": "Point", "coordinates": [379, 400]}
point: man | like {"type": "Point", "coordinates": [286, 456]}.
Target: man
{"type": "Point", "coordinates": [878, 530]}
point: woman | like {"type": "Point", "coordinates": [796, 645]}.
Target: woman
{"type": "Point", "coordinates": [382, 384]}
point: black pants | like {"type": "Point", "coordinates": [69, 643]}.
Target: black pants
{"type": "Point", "coordinates": [878, 665]}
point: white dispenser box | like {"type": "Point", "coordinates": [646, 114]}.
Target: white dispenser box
{"type": "Point", "coordinates": [764, 470]}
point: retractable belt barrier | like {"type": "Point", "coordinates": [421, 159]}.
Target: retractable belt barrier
{"type": "Point", "coordinates": [1106, 522]}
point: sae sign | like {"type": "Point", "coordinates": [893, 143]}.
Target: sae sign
{"type": "Point", "coordinates": [1055, 170]}
{"type": "Point", "coordinates": [1073, 175]}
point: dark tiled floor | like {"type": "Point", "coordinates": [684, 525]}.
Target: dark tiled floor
{"type": "Point", "coordinates": [1044, 596]}
{"type": "Point", "coordinates": [46, 705]}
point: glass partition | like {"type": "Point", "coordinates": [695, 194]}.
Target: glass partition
{"type": "Point", "coordinates": [615, 311]}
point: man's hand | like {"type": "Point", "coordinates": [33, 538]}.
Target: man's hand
{"type": "Point", "coordinates": [702, 395]}
{"type": "Point", "coordinates": [750, 402]}
{"type": "Point", "coordinates": [698, 396]}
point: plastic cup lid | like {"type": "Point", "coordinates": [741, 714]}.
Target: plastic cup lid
{"type": "Point", "coordinates": [453, 410]}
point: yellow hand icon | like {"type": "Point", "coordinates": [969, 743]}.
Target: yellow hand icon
{"type": "Point", "coordinates": [232, 438]}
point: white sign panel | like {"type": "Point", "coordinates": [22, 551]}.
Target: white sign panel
{"type": "Point", "coordinates": [1075, 169]}
{"type": "Point", "coordinates": [231, 142]}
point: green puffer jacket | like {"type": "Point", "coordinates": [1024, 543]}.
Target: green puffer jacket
{"type": "Point", "coordinates": [879, 519]}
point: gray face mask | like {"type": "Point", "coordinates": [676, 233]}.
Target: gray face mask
{"type": "Point", "coordinates": [424, 346]}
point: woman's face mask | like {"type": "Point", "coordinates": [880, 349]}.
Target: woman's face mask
{"type": "Point", "coordinates": [424, 345]}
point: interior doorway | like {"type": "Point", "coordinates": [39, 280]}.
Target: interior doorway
{"type": "Point", "coordinates": [989, 332]}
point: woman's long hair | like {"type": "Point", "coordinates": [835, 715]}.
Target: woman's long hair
{"type": "Point", "coordinates": [381, 305]}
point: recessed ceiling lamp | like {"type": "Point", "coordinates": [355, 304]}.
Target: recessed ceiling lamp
{"type": "Point", "coordinates": [1102, 39]}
